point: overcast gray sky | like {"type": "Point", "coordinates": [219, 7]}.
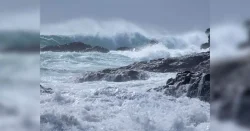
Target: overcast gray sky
{"type": "Point", "coordinates": [19, 15]}
{"type": "Point", "coordinates": [222, 11]}
{"type": "Point", "coordinates": [7, 6]}
{"type": "Point", "coordinates": [173, 15]}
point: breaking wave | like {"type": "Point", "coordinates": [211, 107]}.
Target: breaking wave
{"type": "Point", "coordinates": [119, 33]}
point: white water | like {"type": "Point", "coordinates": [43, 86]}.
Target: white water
{"type": "Point", "coordinates": [111, 106]}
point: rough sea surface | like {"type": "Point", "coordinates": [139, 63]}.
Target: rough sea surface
{"type": "Point", "coordinates": [113, 106]}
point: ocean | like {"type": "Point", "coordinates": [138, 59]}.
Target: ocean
{"type": "Point", "coordinates": [112, 106]}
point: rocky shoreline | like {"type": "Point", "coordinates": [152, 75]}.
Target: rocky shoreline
{"type": "Point", "coordinates": [190, 84]}
{"type": "Point", "coordinates": [192, 79]}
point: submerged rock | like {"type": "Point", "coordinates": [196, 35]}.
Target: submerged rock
{"type": "Point", "coordinates": [46, 90]}
{"type": "Point", "coordinates": [75, 46]}
{"type": "Point", "coordinates": [114, 75]}
{"type": "Point", "coordinates": [193, 85]}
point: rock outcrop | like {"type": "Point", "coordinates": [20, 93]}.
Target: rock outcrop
{"type": "Point", "coordinates": [196, 62]}
{"type": "Point", "coordinates": [192, 79]}
{"type": "Point", "coordinates": [115, 75]}
{"type": "Point", "coordinates": [75, 46]}
{"type": "Point", "coordinates": [207, 44]}
{"type": "Point", "coordinates": [190, 84]}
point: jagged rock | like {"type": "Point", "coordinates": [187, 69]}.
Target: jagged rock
{"type": "Point", "coordinates": [75, 46]}
{"type": "Point", "coordinates": [46, 90]}
{"type": "Point", "coordinates": [207, 44]}
{"type": "Point", "coordinates": [196, 62]}
{"type": "Point", "coordinates": [200, 88]}
{"type": "Point", "coordinates": [193, 85]}
{"type": "Point", "coordinates": [114, 75]}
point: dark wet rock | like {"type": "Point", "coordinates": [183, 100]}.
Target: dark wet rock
{"type": "Point", "coordinates": [230, 92]}
{"type": "Point", "coordinates": [207, 44]}
{"type": "Point", "coordinates": [46, 90]}
{"type": "Point", "coordinates": [196, 62]}
{"type": "Point", "coordinates": [190, 84]}
{"type": "Point", "coordinates": [124, 49]}
{"type": "Point", "coordinates": [75, 46]}
{"type": "Point", "coordinates": [115, 75]}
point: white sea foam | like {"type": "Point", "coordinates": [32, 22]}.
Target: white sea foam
{"type": "Point", "coordinates": [168, 46]}
{"type": "Point", "coordinates": [112, 106]}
